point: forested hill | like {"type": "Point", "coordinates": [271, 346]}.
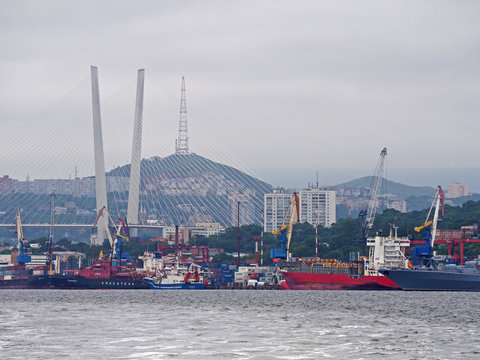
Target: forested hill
{"type": "Point", "coordinates": [182, 166]}
{"type": "Point", "coordinates": [391, 187]}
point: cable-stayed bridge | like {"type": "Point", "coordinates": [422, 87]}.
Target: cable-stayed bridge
{"type": "Point", "coordinates": [174, 172]}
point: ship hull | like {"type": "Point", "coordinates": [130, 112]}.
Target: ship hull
{"type": "Point", "coordinates": [80, 282]}
{"type": "Point", "coordinates": [433, 280]}
{"type": "Point", "coordinates": [176, 286]}
{"type": "Point", "coordinates": [34, 282]}
{"type": "Point", "coordinates": [315, 281]}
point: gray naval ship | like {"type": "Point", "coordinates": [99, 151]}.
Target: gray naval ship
{"type": "Point", "coordinates": [426, 272]}
{"type": "Point", "coordinates": [449, 277]}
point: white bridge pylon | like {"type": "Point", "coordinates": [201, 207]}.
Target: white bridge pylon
{"type": "Point", "coordinates": [100, 179]}
{"type": "Point", "coordinates": [134, 187]}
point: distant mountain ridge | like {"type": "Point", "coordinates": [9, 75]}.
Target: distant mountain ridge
{"type": "Point", "coordinates": [390, 187]}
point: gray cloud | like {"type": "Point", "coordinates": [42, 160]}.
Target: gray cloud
{"type": "Point", "coordinates": [282, 84]}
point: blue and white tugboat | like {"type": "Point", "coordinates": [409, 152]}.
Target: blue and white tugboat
{"type": "Point", "coordinates": [174, 276]}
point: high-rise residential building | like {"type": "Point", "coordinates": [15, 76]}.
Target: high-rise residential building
{"type": "Point", "coordinates": [275, 206]}
{"type": "Point", "coordinates": [315, 206]}
{"type": "Point", "coordinates": [318, 206]}
{"type": "Point", "coordinates": [6, 185]}
{"type": "Point", "coordinates": [456, 190]}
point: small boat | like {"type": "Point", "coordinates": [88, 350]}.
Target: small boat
{"type": "Point", "coordinates": [177, 277]}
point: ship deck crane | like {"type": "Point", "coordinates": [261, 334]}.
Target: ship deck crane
{"type": "Point", "coordinates": [367, 215]}
{"type": "Point", "coordinates": [286, 230]}
{"type": "Point", "coordinates": [116, 241]}
{"type": "Point", "coordinates": [422, 254]}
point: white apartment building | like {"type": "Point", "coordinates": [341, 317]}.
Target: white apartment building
{"type": "Point", "coordinates": [315, 205]}
{"type": "Point", "coordinates": [275, 207]}
{"type": "Point", "coordinates": [318, 206]}
{"type": "Point", "coordinates": [456, 190]}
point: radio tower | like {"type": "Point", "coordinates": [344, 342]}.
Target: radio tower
{"type": "Point", "coordinates": [181, 144]}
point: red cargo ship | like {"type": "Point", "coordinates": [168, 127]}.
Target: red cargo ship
{"type": "Point", "coordinates": [328, 274]}
{"type": "Point", "coordinates": [101, 275]}
{"type": "Point", "coordinates": [302, 280]}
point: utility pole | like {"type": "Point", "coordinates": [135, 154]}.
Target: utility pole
{"type": "Point", "coordinates": [316, 234]}
{"type": "Point", "coordinates": [238, 233]}
{"type": "Point", "coordinates": [261, 243]}
{"type": "Point", "coordinates": [52, 231]}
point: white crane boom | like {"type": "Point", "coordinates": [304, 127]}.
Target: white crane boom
{"type": "Point", "coordinates": [372, 205]}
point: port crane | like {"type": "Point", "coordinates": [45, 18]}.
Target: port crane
{"type": "Point", "coordinates": [22, 257]}
{"type": "Point", "coordinates": [422, 254]}
{"type": "Point", "coordinates": [286, 230]}
{"type": "Point", "coordinates": [367, 215]}
{"type": "Point", "coordinates": [116, 241]}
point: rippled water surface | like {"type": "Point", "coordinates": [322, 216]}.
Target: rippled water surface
{"type": "Point", "coordinates": [216, 324]}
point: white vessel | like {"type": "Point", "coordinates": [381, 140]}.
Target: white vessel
{"type": "Point", "coordinates": [164, 275]}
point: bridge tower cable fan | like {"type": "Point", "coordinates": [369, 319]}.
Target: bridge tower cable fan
{"type": "Point", "coordinates": [367, 215]}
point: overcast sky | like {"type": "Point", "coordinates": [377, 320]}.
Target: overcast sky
{"type": "Point", "coordinates": [295, 85]}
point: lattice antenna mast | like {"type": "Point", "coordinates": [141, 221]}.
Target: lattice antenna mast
{"type": "Point", "coordinates": [181, 145]}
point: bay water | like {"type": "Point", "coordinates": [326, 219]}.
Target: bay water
{"type": "Point", "coordinates": [238, 324]}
